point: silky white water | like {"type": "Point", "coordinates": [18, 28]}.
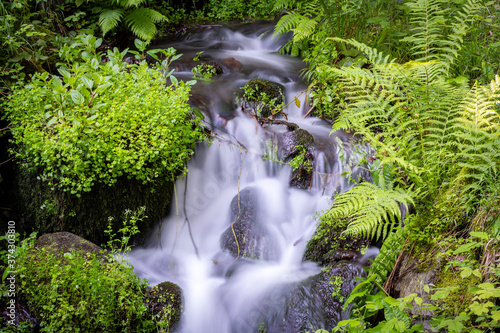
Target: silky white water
{"type": "Point", "coordinates": [222, 294]}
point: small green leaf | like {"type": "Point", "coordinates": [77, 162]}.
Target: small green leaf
{"type": "Point", "coordinates": [77, 97]}
{"type": "Point", "coordinates": [482, 235]}
{"type": "Point", "coordinates": [87, 82]}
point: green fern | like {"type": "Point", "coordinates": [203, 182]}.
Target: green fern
{"type": "Point", "coordinates": [477, 137]}
{"type": "Point", "coordinates": [381, 266]}
{"type": "Point", "coordinates": [140, 20]}
{"type": "Point", "coordinates": [371, 211]}
{"type": "Point", "coordinates": [429, 37]}
{"type": "Point", "coordinates": [109, 19]}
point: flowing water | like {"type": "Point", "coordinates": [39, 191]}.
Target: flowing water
{"type": "Point", "coordinates": [222, 294]}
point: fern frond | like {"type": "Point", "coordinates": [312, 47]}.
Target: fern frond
{"type": "Point", "coordinates": [131, 3]}
{"type": "Point", "coordinates": [304, 29]}
{"type": "Point", "coordinates": [142, 22]}
{"type": "Point", "coordinates": [109, 19]}
{"type": "Point", "coordinates": [375, 57]}
{"type": "Point", "coordinates": [382, 265]}
{"type": "Point", "coordinates": [427, 32]}
{"type": "Point", "coordinates": [288, 4]}
{"type": "Point", "coordinates": [477, 135]}
{"type": "Point", "coordinates": [370, 210]}
{"type": "Point", "coordinates": [460, 23]}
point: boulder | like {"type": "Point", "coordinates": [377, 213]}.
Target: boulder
{"type": "Point", "coordinates": [215, 65]}
{"type": "Point", "coordinates": [411, 280]}
{"type": "Point", "coordinates": [251, 235]}
{"type": "Point", "coordinates": [165, 303]}
{"type": "Point", "coordinates": [263, 96]}
{"type": "Point", "coordinates": [233, 64]}
{"type": "Point", "coordinates": [309, 305]}
{"type": "Point", "coordinates": [332, 246]}
{"type": "Point", "coordinates": [293, 142]}
{"type": "Point", "coordinates": [64, 242]}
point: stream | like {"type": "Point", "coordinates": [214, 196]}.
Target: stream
{"type": "Point", "coordinates": [237, 177]}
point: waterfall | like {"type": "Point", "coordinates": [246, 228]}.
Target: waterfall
{"type": "Point", "coordinates": [222, 294]}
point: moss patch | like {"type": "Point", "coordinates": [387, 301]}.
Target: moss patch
{"type": "Point", "coordinates": [49, 211]}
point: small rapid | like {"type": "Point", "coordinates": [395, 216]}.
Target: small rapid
{"type": "Point", "coordinates": [238, 177]}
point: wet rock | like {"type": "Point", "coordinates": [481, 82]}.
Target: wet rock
{"type": "Point", "coordinates": [263, 96]}
{"type": "Point", "coordinates": [165, 303]}
{"type": "Point", "coordinates": [252, 239]}
{"type": "Point", "coordinates": [332, 246]}
{"type": "Point", "coordinates": [314, 303]}
{"type": "Point", "coordinates": [233, 64]}
{"type": "Point", "coordinates": [212, 64]}
{"type": "Point", "coordinates": [292, 143]}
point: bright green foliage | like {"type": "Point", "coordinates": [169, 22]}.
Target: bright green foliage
{"type": "Point", "coordinates": [429, 37]}
{"type": "Point", "coordinates": [421, 123]}
{"type": "Point", "coordinates": [101, 121]}
{"type": "Point", "coordinates": [381, 266]}
{"type": "Point", "coordinates": [372, 212]}
{"type": "Point", "coordinates": [79, 292]}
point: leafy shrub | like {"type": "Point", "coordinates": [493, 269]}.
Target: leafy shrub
{"type": "Point", "coordinates": [100, 121]}
{"type": "Point", "coordinates": [86, 292]}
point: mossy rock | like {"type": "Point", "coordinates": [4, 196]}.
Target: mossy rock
{"type": "Point", "coordinates": [65, 276]}
{"type": "Point", "coordinates": [263, 95]}
{"type": "Point", "coordinates": [329, 245]}
{"type": "Point", "coordinates": [87, 216]}
{"type": "Point", "coordinates": [290, 144]}
{"type": "Point", "coordinates": [64, 242]}
{"type": "Point", "coordinates": [165, 303]}
{"type": "Point", "coordinates": [217, 68]}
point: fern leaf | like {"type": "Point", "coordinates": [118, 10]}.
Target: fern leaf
{"type": "Point", "coordinates": [142, 22]}
{"type": "Point", "coordinates": [109, 19]}
{"type": "Point", "coordinates": [131, 3]}
{"type": "Point", "coordinates": [370, 210]}
{"type": "Point", "coordinates": [478, 137]}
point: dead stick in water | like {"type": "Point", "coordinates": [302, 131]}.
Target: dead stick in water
{"type": "Point", "coordinates": [310, 110]}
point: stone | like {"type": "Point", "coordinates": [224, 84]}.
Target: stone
{"type": "Point", "coordinates": [165, 303]}
{"type": "Point", "coordinates": [215, 65]}
{"type": "Point", "coordinates": [412, 281]}
{"type": "Point", "coordinates": [233, 64]}
{"type": "Point", "coordinates": [252, 238]}
{"type": "Point", "coordinates": [263, 95]}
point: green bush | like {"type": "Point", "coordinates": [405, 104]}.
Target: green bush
{"type": "Point", "coordinates": [76, 290]}
{"type": "Point", "coordinates": [101, 120]}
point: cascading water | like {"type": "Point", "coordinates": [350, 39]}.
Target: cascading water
{"type": "Point", "coordinates": [228, 181]}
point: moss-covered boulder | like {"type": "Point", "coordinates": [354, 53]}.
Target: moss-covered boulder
{"type": "Point", "coordinates": [165, 303]}
{"type": "Point", "coordinates": [296, 146]}
{"type": "Point", "coordinates": [213, 67]}
{"type": "Point", "coordinates": [252, 238]}
{"type": "Point", "coordinates": [329, 245]}
{"type": "Point", "coordinates": [68, 282]}
{"type": "Point", "coordinates": [65, 242]}
{"type": "Point", "coordinates": [88, 216]}
{"type": "Point", "coordinates": [263, 96]}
